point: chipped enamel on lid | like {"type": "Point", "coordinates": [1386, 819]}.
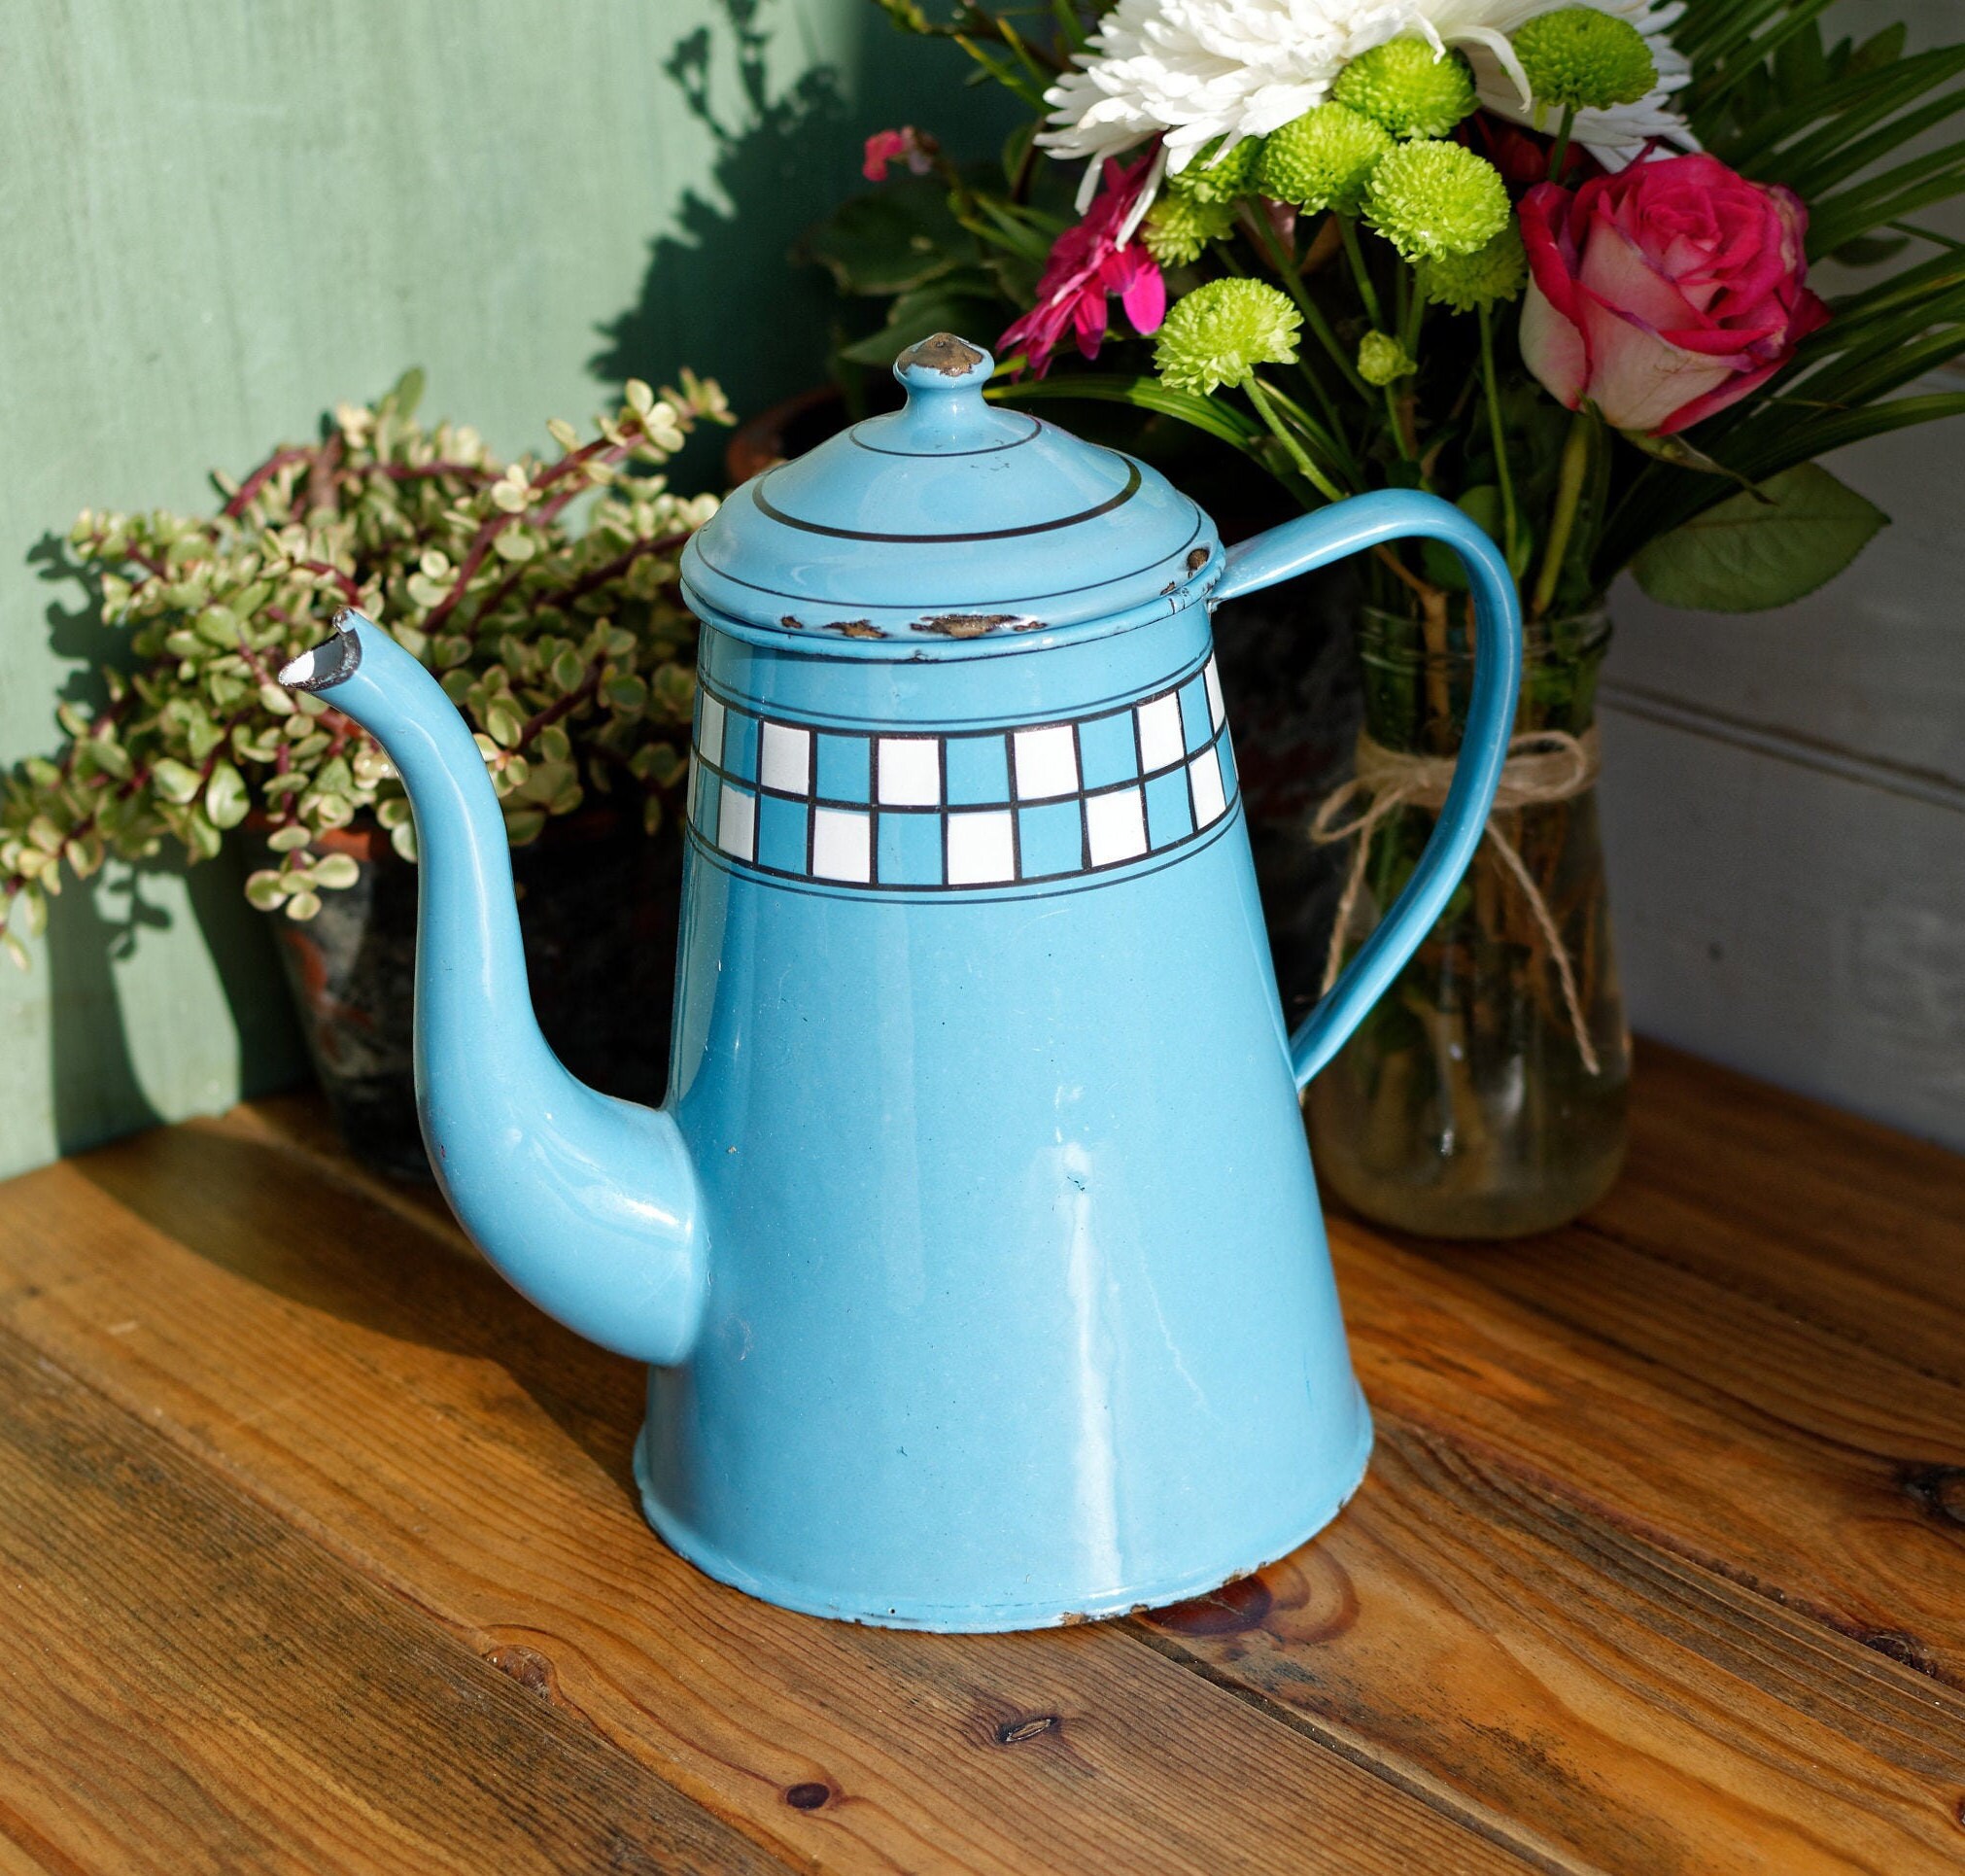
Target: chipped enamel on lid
{"type": "Point", "coordinates": [948, 525]}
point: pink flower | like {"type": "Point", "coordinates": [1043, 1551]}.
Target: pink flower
{"type": "Point", "coordinates": [1665, 292]}
{"type": "Point", "coordinates": [1089, 263]}
{"type": "Point", "coordinates": [907, 144]}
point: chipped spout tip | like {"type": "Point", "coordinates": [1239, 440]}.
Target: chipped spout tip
{"type": "Point", "coordinates": [327, 664]}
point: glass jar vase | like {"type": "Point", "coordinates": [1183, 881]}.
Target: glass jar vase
{"type": "Point", "coordinates": [1485, 1095]}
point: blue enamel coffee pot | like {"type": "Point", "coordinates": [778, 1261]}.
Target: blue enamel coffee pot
{"type": "Point", "coordinates": [976, 1253]}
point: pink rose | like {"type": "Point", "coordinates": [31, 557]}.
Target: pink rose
{"type": "Point", "coordinates": [1665, 292]}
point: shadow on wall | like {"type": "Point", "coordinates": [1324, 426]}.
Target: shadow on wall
{"type": "Point", "coordinates": [721, 293]}
{"type": "Point", "coordinates": [96, 1089]}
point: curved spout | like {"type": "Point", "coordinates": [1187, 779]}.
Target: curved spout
{"type": "Point", "coordinates": [588, 1204]}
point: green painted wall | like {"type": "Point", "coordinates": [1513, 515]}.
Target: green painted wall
{"type": "Point", "coordinates": [218, 217]}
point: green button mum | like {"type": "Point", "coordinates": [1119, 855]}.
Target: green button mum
{"type": "Point", "coordinates": [1407, 88]}
{"type": "Point", "coordinates": [1435, 198]}
{"type": "Point", "coordinates": [1382, 360]}
{"type": "Point", "coordinates": [1585, 60]}
{"type": "Point", "coordinates": [1472, 281]}
{"type": "Point", "coordinates": [1321, 161]}
{"type": "Point", "coordinates": [1212, 177]}
{"type": "Point", "coordinates": [1178, 227]}
{"type": "Point", "coordinates": [1218, 335]}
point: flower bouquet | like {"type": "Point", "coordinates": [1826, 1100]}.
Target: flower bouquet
{"type": "Point", "coordinates": [1550, 262]}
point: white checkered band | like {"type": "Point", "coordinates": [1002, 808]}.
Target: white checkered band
{"type": "Point", "coordinates": [963, 809]}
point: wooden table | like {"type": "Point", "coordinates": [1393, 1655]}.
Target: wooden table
{"type": "Point", "coordinates": [318, 1551]}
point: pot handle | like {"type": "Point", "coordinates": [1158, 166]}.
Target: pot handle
{"type": "Point", "coordinates": [1348, 528]}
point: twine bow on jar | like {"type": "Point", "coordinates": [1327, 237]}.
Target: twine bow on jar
{"type": "Point", "coordinates": [1542, 767]}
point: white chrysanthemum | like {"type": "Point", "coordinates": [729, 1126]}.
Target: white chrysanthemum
{"type": "Point", "coordinates": [1201, 69]}
{"type": "Point", "coordinates": [1480, 28]}
{"type": "Point", "coordinates": [1195, 70]}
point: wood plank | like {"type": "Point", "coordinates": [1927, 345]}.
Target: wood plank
{"type": "Point", "coordinates": [405, 1409]}
{"type": "Point", "coordinates": [1752, 1293]}
{"type": "Point", "coordinates": [1821, 1214]}
{"type": "Point", "coordinates": [300, 1118]}
{"type": "Point", "coordinates": [192, 1686]}
{"type": "Point", "coordinates": [1812, 1520]}
{"type": "Point", "coordinates": [1480, 1628]}
{"type": "Point", "coordinates": [1686, 1455]}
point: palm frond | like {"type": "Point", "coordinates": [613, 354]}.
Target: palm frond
{"type": "Point", "coordinates": [1934, 177]}
{"type": "Point", "coordinates": [1718, 77]}
{"type": "Point", "coordinates": [1709, 33]}
{"type": "Point", "coordinates": [1823, 119]}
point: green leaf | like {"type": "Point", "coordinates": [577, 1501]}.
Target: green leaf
{"type": "Point", "coordinates": [1749, 553]}
{"type": "Point", "coordinates": [226, 798]}
{"type": "Point", "coordinates": [111, 758]}
{"type": "Point", "coordinates": [1482, 506]}
{"type": "Point", "coordinates": [962, 300]}
{"type": "Point", "coordinates": [176, 782]}
{"type": "Point", "coordinates": [897, 237]}
{"type": "Point", "coordinates": [265, 891]}
{"type": "Point", "coordinates": [1884, 48]}
{"type": "Point", "coordinates": [407, 392]}
{"type": "Point", "coordinates": [627, 692]}
{"type": "Point", "coordinates": [216, 625]}
{"type": "Point", "coordinates": [200, 836]}
{"type": "Point", "coordinates": [525, 826]}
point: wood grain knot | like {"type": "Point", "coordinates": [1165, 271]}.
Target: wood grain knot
{"type": "Point", "coordinates": [1231, 1610]}
{"type": "Point", "coordinates": [1939, 1491]}
{"type": "Point", "coordinates": [811, 1795]}
{"type": "Point", "coordinates": [1014, 1732]}
{"type": "Point", "coordinates": [1906, 1649]}
{"type": "Point", "coordinates": [530, 1669]}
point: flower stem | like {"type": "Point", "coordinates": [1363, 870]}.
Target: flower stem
{"type": "Point", "coordinates": [1576, 473]}
{"type": "Point", "coordinates": [1395, 417]}
{"type": "Point", "coordinates": [1559, 154]}
{"type": "Point", "coordinates": [1413, 321]}
{"type": "Point", "coordinates": [1336, 451]}
{"type": "Point", "coordinates": [1272, 249]}
{"type": "Point", "coordinates": [1491, 385]}
{"type": "Point", "coordinates": [1348, 229]}
{"type": "Point", "coordinates": [1258, 395]}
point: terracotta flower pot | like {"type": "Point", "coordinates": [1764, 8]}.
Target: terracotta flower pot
{"type": "Point", "coordinates": [785, 429]}
{"type": "Point", "coordinates": [598, 906]}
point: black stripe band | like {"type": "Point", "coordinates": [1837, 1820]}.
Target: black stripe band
{"type": "Point", "coordinates": [1127, 494]}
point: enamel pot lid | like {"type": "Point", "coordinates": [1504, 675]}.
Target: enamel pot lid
{"type": "Point", "coordinates": [948, 521]}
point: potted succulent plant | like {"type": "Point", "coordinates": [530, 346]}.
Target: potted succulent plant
{"type": "Point", "coordinates": [566, 648]}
